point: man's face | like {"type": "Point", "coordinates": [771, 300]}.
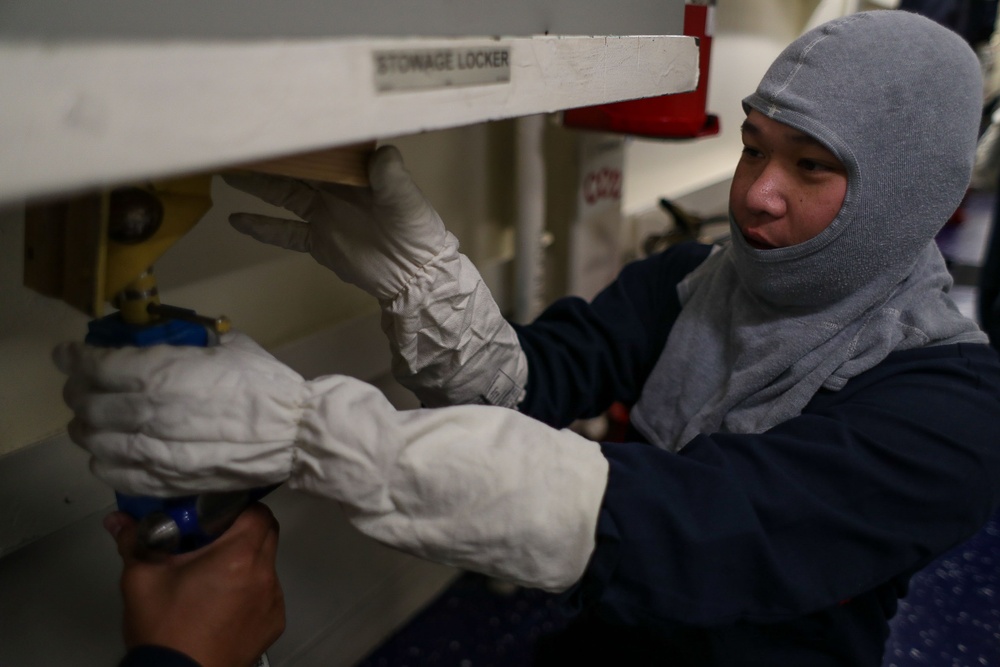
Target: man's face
{"type": "Point", "coordinates": [787, 187]}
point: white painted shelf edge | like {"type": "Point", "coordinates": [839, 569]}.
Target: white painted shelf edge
{"type": "Point", "coordinates": [79, 116]}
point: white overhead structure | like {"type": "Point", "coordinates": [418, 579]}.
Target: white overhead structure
{"type": "Point", "coordinates": [98, 92]}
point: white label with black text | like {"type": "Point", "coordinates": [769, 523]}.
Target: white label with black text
{"type": "Point", "coordinates": [410, 69]}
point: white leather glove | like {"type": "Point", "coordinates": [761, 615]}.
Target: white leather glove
{"type": "Point", "coordinates": [377, 238]}
{"type": "Point", "coordinates": [449, 341]}
{"type": "Point", "coordinates": [477, 487]}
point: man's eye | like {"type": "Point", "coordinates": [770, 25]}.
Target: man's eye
{"type": "Point", "coordinates": [750, 151]}
{"type": "Point", "coordinates": [813, 165]}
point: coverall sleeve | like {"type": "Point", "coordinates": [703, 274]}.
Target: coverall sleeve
{"type": "Point", "coordinates": [584, 356]}
{"type": "Point", "coordinates": [868, 483]}
{"type": "Point", "coordinates": [156, 656]}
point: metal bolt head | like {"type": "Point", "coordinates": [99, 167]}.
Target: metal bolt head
{"type": "Point", "coordinates": [134, 215]}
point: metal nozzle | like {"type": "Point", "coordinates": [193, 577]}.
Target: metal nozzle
{"type": "Point", "coordinates": [158, 533]}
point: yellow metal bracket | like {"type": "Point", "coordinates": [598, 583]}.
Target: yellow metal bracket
{"type": "Point", "coordinates": [91, 249]}
{"type": "Point", "coordinates": [97, 248]}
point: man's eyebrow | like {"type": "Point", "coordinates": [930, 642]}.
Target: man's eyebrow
{"type": "Point", "coordinates": [791, 135]}
{"type": "Point", "coordinates": [800, 138]}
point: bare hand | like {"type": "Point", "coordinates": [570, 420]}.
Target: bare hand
{"type": "Point", "coordinates": [221, 605]}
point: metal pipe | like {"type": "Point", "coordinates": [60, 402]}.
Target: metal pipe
{"type": "Point", "coordinates": [529, 274]}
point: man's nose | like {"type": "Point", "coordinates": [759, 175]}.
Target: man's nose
{"type": "Point", "coordinates": [767, 192]}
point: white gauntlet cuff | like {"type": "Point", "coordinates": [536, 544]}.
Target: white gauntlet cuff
{"type": "Point", "coordinates": [347, 441]}
{"type": "Point", "coordinates": [450, 343]}
{"type": "Point", "coordinates": [496, 492]}
{"type": "Point", "coordinates": [478, 487]}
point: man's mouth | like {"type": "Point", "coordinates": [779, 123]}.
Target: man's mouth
{"type": "Point", "coordinates": [756, 241]}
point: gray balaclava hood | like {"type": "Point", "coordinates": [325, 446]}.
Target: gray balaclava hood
{"type": "Point", "coordinates": [897, 98]}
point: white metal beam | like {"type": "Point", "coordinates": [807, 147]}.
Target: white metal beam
{"type": "Point", "coordinates": [78, 116]}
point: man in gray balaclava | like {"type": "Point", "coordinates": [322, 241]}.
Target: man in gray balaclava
{"type": "Point", "coordinates": [813, 419]}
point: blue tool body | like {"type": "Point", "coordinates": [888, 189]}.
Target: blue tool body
{"type": "Point", "coordinates": [196, 519]}
{"type": "Point", "coordinates": [113, 331]}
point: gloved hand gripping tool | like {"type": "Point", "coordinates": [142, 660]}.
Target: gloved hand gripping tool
{"type": "Point", "coordinates": [100, 248]}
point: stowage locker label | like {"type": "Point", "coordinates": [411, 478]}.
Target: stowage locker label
{"type": "Point", "coordinates": [411, 69]}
